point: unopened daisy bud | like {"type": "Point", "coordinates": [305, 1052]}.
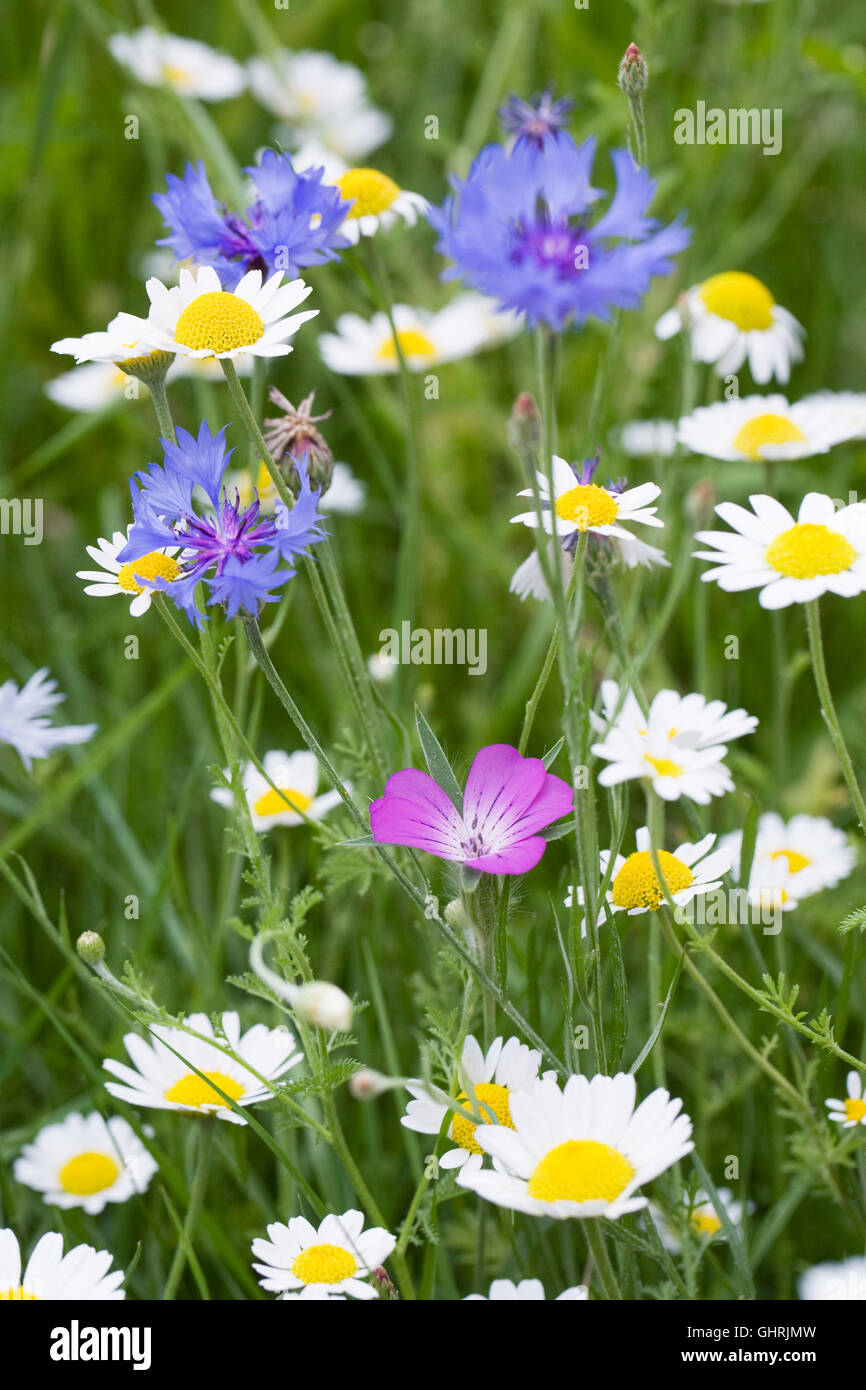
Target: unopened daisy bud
{"type": "Point", "coordinates": [633, 74]}
{"type": "Point", "coordinates": [325, 1006]}
{"type": "Point", "coordinates": [700, 503]}
{"type": "Point", "coordinates": [91, 948]}
{"type": "Point", "coordinates": [368, 1084]}
{"type": "Point", "coordinates": [524, 427]}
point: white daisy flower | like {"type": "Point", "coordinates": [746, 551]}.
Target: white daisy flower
{"type": "Point", "coordinates": [794, 859]}
{"type": "Point", "coordinates": [648, 438]}
{"type": "Point", "coordinates": [689, 720]}
{"type": "Point", "coordinates": [495, 1077]}
{"type": "Point", "coordinates": [823, 551]}
{"type": "Point", "coordinates": [297, 776]}
{"type": "Point", "coordinates": [335, 1260]}
{"type": "Point", "coordinates": [581, 1151]}
{"type": "Point", "coordinates": [86, 1162]}
{"type": "Point", "coordinates": [679, 746]}
{"type": "Point", "coordinates": [320, 97]}
{"type": "Point", "coordinates": [528, 579]}
{"type": "Point", "coordinates": [116, 578]}
{"type": "Point", "coordinates": [191, 68]}
{"type": "Point", "coordinates": [81, 1275]}
{"type": "Point", "coordinates": [377, 203]}
{"type": "Point", "coordinates": [366, 347]}
{"type": "Point", "coordinates": [25, 722]}
{"type": "Point", "coordinates": [690, 872]}
{"type": "Point", "coordinates": [701, 1217]}
{"type": "Point", "coordinates": [829, 1282]}
{"type": "Point", "coordinates": [579, 506]}
{"type": "Point", "coordinates": [851, 1111]}
{"type": "Point", "coordinates": [198, 318]}
{"type": "Point", "coordinates": [755, 428]}
{"type": "Point", "coordinates": [527, 1291]}
{"type": "Point", "coordinates": [164, 1081]}
{"type": "Point", "coordinates": [732, 317]}
{"type": "Point", "coordinates": [90, 387]}
{"type": "Point", "coordinates": [124, 341]}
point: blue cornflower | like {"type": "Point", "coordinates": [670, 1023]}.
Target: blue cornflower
{"type": "Point", "coordinates": [233, 549]}
{"type": "Point", "coordinates": [294, 221]}
{"type": "Point", "coordinates": [517, 230]}
{"type": "Point", "coordinates": [535, 120]}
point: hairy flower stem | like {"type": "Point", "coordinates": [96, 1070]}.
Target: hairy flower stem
{"type": "Point", "coordinates": [159, 396]}
{"type": "Point", "coordinates": [828, 710]}
{"type": "Point", "coordinates": [404, 597]}
{"type": "Point", "coordinates": [339, 623]}
{"type": "Point", "coordinates": [207, 1125]}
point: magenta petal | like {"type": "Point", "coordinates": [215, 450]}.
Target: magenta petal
{"type": "Point", "coordinates": [556, 799]}
{"type": "Point", "coordinates": [501, 785]}
{"type": "Point", "coordinates": [413, 785]}
{"type": "Point", "coordinates": [421, 823]}
{"type": "Point", "coordinates": [516, 859]}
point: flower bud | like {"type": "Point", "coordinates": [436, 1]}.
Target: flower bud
{"type": "Point", "coordinates": [524, 427]}
{"type": "Point", "coordinates": [700, 502]}
{"type": "Point", "coordinates": [455, 914]}
{"type": "Point", "coordinates": [293, 436]}
{"type": "Point", "coordinates": [91, 948]}
{"type": "Point", "coordinates": [633, 74]}
{"type": "Point", "coordinates": [325, 1006]}
{"type": "Point", "coordinates": [367, 1084]}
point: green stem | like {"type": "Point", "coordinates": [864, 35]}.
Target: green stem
{"type": "Point", "coordinates": [828, 710]}
{"type": "Point", "coordinates": [159, 396]}
{"type": "Point", "coordinates": [601, 1258]}
{"type": "Point", "coordinates": [356, 1177]}
{"type": "Point", "coordinates": [196, 1199]}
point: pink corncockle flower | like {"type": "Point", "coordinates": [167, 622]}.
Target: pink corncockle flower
{"type": "Point", "coordinates": [508, 800]}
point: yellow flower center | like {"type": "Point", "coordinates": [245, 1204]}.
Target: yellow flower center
{"type": "Point", "coordinates": [324, 1264]}
{"type": "Point", "coordinates": [796, 860]}
{"type": "Point", "coordinates": [705, 1222]}
{"type": "Point", "coordinates": [18, 1295]}
{"type": "Point", "coordinates": [808, 549]}
{"type": "Point", "coordinates": [587, 505]}
{"type": "Point", "coordinates": [751, 437]}
{"type": "Point", "coordinates": [218, 321]}
{"type": "Point", "coordinates": [273, 802]}
{"type": "Point", "coordinates": [740, 298]}
{"type": "Point", "coordinates": [372, 192]}
{"type": "Point", "coordinates": [88, 1173]}
{"type": "Point", "coordinates": [152, 566]}
{"type": "Point", "coordinates": [412, 342]}
{"type": "Point", "coordinates": [174, 75]}
{"type": "Point", "coordinates": [636, 884]}
{"type": "Point", "coordinates": [193, 1090]}
{"type": "Point", "coordinates": [855, 1109]}
{"type": "Point", "coordinates": [493, 1096]}
{"type": "Point", "coordinates": [580, 1170]}
{"type": "Point", "coordinates": [665, 767]}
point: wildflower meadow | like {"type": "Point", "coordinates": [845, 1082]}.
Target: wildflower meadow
{"type": "Point", "coordinates": [432, 752]}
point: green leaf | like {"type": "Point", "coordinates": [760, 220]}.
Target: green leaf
{"type": "Point", "coordinates": [437, 764]}
{"type": "Point", "coordinates": [738, 1250]}
{"type": "Point", "coordinates": [552, 754]}
{"type": "Point", "coordinates": [560, 830]}
{"type": "Point", "coordinates": [654, 1035]}
{"type": "Point", "coordinates": [750, 835]}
